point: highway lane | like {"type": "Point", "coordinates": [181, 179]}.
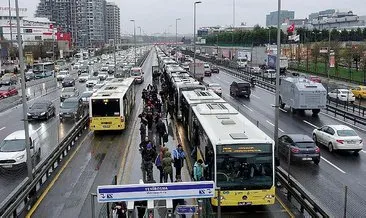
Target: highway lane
{"type": "Point", "coordinates": [48, 134]}
{"type": "Point", "coordinates": [97, 160]}
{"type": "Point", "coordinates": [335, 170]}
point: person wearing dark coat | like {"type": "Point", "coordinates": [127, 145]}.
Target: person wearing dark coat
{"type": "Point", "coordinates": [161, 130]}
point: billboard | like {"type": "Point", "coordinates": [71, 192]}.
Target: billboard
{"type": "Point", "coordinates": [243, 54]}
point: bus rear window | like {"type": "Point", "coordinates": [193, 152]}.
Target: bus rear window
{"type": "Point", "coordinates": [105, 108]}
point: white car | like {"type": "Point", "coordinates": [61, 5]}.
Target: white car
{"type": "Point", "coordinates": [98, 86]}
{"type": "Point", "coordinates": [215, 87]}
{"type": "Point", "coordinates": [85, 97]}
{"type": "Point", "coordinates": [343, 95]}
{"type": "Point", "coordinates": [338, 137]}
{"type": "Point", "coordinates": [83, 77]}
{"type": "Point", "coordinates": [102, 75]}
{"type": "Point", "coordinates": [255, 70]}
{"type": "Point", "coordinates": [92, 81]}
{"type": "Point", "coordinates": [61, 75]}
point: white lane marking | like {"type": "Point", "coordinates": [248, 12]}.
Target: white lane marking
{"type": "Point", "coordinates": [2, 128]}
{"type": "Point", "coordinates": [283, 110]}
{"type": "Point", "coordinates": [343, 121]}
{"type": "Point", "coordinates": [364, 151]}
{"type": "Point", "coordinates": [310, 124]}
{"type": "Point", "coordinates": [247, 107]}
{"type": "Point", "coordinates": [333, 165]}
{"type": "Point", "coordinates": [274, 125]}
{"type": "Point", "coordinates": [256, 96]}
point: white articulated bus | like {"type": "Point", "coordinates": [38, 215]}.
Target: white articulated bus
{"type": "Point", "coordinates": [239, 156]}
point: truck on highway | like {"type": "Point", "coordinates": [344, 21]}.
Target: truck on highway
{"type": "Point", "coordinates": [200, 70]}
{"type": "Point", "coordinates": [242, 57]}
{"type": "Point", "coordinates": [301, 94]}
{"type": "Point", "coordinates": [271, 63]}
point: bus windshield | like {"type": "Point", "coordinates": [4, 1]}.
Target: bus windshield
{"type": "Point", "coordinates": [105, 108]}
{"type": "Point", "coordinates": [43, 67]}
{"type": "Point", "coordinates": [244, 167]}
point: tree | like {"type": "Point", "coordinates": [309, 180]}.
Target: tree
{"type": "Point", "coordinates": [334, 35]}
{"type": "Point", "coordinates": [344, 35]}
{"type": "Point", "coordinates": [315, 55]}
{"type": "Point", "coordinates": [347, 56]}
{"type": "Point", "coordinates": [358, 34]}
{"type": "Point", "coordinates": [357, 54]}
{"type": "Point", "coordinates": [336, 47]}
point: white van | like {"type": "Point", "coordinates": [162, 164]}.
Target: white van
{"type": "Point", "coordinates": [137, 74]}
{"type": "Point", "coordinates": [13, 153]}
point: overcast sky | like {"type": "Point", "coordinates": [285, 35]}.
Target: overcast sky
{"type": "Point", "coordinates": [158, 16]}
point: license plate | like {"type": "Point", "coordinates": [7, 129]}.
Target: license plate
{"type": "Point", "coordinates": [244, 203]}
{"type": "Point", "coordinates": [351, 142]}
{"type": "Point", "coordinates": [306, 158]}
{"type": "Point", "coordinates": [106, 126]}
{"type": "Point", "coordinates": [7, 166]}
{"type": "Point", "coordinates": [35, 116]}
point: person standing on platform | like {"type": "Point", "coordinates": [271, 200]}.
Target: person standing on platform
{"type": "Point", "coordinates": [159, 162]}
{"type": "Point", "coordinates": [161, 130]}
{"type": "Point", "coordinates": [179, 156]}
{"type": "Point", "coordinates": [167, 167]}
{"type": "Point", "coordinates": [198, 170]}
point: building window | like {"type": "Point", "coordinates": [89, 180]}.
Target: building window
{"type": "Point", "coordinates": [37, 37]}
{"type": "Point", "coordinates": [28, 30]}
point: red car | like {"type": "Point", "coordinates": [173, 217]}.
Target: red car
{"type": "Point", "coordinates": [315, 79]}
{"type": "Point", "coordinates": [6, 91]}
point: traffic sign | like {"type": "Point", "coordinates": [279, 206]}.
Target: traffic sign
{"type": "Point", "coordinates": [186, 209]}
{"type": "Point", "coordinates": [155, 191]}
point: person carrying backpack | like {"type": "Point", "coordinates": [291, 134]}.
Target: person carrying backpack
{"type": "Point", "coordinates": [159, 162]}
{"type": "Point", "coordinates": [167, 166]}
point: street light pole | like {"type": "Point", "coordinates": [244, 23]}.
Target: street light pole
{"type": "Point", "coordinates": [194, 38]}
{"type": "Point", "coordinates": [11, 26]}
{"type": "Point", "coordinates": [176, 39]}
{"type": "Point", "coordinates": [277, 78]}
{"type": "Point", "coordinates": [24, 99]}
{"type": "Point", "coordinates": [134, 37]}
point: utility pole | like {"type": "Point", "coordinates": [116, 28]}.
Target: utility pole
{"type": "Point", "coordinates": [176, 39]}
{"type": "Point", "coordinates": [24, 99]}
{"type": "Point", "coordinates": [11, 26]}
{"type": "Point", "coordinates": [277, 78]}
{"type": "Point", "coordinates": [194, 39]}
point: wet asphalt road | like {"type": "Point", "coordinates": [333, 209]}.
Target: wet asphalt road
{"type": "Point", "coordinates": [48, 132]}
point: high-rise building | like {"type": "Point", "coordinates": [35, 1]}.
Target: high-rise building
{"type": "Point", "coordinates": [56, 11]}
{"type": "Point", "coordinates": [321, 14]}
{"type": "Point", "coordinates": [85, 19]}
{"type": "Point", "coordinates": [271, 18]}
{"type": "Point", "coordinates": [113, 30]}
{"type": "Point", "coordinates": [95, 22]}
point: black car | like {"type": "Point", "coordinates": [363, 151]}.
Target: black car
{"type": "Point", "coordinates": [83, 69]}
{"type": "Point", "coordinates": [41, 110]}
{"type": "Point", "coordinates": [68, 92]}
{"type": "Point", "coordinates": [71, 108]}
{"type": "Point", "coordinates": [301, 148]}
{"type": "Point", "coordinates": [214, 69]}
{"type": "Point", "coordinates": [68, 82]}
{"type": "Point", "coordinates": [29, 76]}
{"type": "Point", "coordinates": [238, 89]}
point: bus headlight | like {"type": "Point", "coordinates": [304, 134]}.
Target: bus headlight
{"type": "Point", "coordinates": [269, 196]}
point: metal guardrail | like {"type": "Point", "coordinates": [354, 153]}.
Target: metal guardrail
{"type": "Point", "coordinates": [346, 114]}
{"type": "Point", "coordinates": [26, 192]}
{"type": "Point", "coordinates": [296, 191]}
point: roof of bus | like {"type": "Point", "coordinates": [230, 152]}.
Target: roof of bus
{"type": "Point", "coordinates": [44, 63]}
{"type": "Point", "coordinates": [114, 89]}
{"type": "Point", "coordinates": [201, 96]}
{"type": "Point", "coordinates": [223, 124]}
